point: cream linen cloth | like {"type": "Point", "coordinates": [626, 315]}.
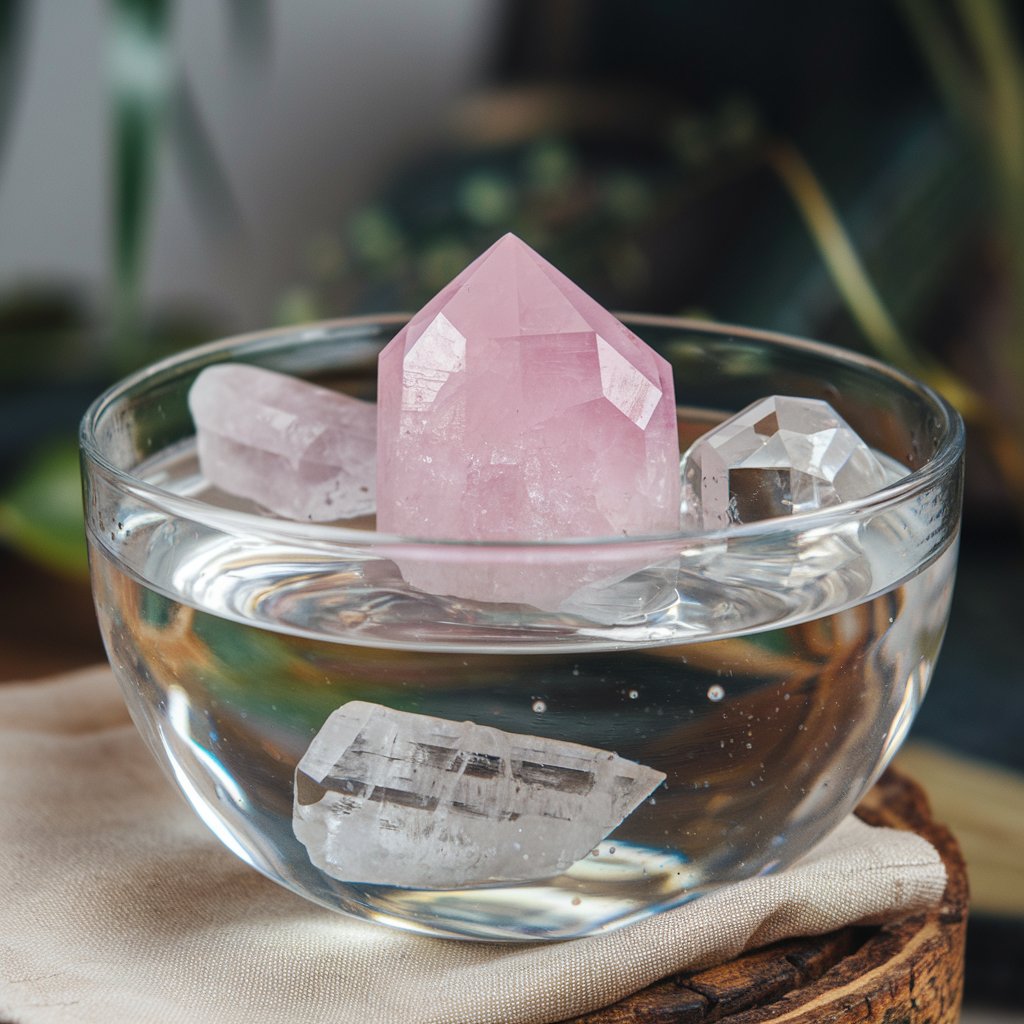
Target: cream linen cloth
{"type": "Point", "coordinates": [116, 905]}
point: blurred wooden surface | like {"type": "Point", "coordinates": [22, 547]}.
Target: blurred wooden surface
{"type": "Point", "coordinates": [47, 624]}
{"type": "Point", "coordinates": [984, 806]}
{"type": "Point", "coordinates": [908, 971]}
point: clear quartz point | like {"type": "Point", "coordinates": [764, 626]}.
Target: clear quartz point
{"type": "Point", "coordinates": [390, 797]}
{"type": "Point", "coordinates": [779, 456]}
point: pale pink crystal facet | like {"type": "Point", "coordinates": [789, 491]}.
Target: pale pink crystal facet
{"type": "Point", "coordinates": [300, 450]}
{"type": "Point", "coordinates": [513, 407]}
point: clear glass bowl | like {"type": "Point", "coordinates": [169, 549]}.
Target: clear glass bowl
{"type": "Point", "coordinates": [768, 672]}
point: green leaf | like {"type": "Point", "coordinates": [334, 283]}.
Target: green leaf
{"type": "Point", "coordinates": [41, 513]}
{"type": "Point", "coordinates": [140, 81]}
{"type": "Point", "coordinates": [12, 21]}
{"type": "Point", "coordinates": [941, 47]}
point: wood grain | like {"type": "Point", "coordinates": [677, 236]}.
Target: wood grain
{"type": "Point", "coordinates": [908, 971]}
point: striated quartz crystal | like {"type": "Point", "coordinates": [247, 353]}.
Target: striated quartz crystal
{"type": "Point", "coordinates": [778, 456]}
{"type": "Point", "coordinates": [513, 407]}
{"type": "Point", "coordinates": [389, 797]}
{"type": "Point", "coordinates": [297, 449]}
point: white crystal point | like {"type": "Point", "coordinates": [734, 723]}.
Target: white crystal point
{"type": "Point", "coordinates": [778, 456]}
{"type": "Point", "coordinates": [300, 450]}
{"type": "Point", "coordinates": [390, 797]}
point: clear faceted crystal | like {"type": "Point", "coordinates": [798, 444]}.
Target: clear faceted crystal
{"type": "Point", "coordinates": [513, 407]}
{"type": "Point", "coordinates": [300, 450]}
{"type": "Point", "coordinates": [389, 797]}
{"type": "Point", "coordinates": [778, 456]}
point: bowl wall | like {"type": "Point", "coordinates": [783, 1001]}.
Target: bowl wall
{"type": "Point", "coordinates": [767, 672]}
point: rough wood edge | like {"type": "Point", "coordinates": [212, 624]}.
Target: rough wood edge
{"type": "Point", "coordinates": [907, 971]}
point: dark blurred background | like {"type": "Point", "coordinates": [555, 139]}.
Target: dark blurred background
{"type": "Point", "coordinates": [176, 170]}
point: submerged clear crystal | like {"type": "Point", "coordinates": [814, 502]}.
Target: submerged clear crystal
{"type": "Point", "coordinates": [394, 798]}
{"type": "Point", "coordinates": [778, 456]}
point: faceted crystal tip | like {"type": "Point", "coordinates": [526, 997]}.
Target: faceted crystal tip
{"type": "Point", "coordinates": [513, 407]}
{"type": "Point", "coordinates": [778, 456]}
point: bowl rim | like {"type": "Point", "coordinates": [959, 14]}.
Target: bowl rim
{"type": "Point", "coordinates": [931, 473]}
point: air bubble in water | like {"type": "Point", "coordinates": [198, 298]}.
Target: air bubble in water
{"type": "Point", "coordinates": [540, 707]}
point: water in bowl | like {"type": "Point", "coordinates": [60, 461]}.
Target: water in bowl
{"type": "Point", "coordinates": [768, 712]}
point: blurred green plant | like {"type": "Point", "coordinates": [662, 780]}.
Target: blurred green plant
{"type": "Point", "coordinates": [978, 67]}
{"type": "Point", "coordinates": [41, 512]}
{"type": "Point", "coordinates": [973, 52]}
{"type": "Point", "coordinates": [152, 105]}
{"type": "Point", "coordinates": [12, 18]}
{"type": "Point", "coordinates": [151, 97]}
{"type": "Point", "coordinates": [877, 324]}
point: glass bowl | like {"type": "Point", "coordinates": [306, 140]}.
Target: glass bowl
{"type": "Point", "coordinates": [730, 695]}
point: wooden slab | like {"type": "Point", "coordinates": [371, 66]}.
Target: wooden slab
{"type": "Point", "coordinates": [908, 971]}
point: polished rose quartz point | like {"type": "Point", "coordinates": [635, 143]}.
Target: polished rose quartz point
{"type": "Point", "coordinates": [513, 407]}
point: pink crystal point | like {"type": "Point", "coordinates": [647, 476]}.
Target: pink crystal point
{"type": "Point", "coordinates": [513, 407]}
{"type": "Point", "coordinates": [300, 450]}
